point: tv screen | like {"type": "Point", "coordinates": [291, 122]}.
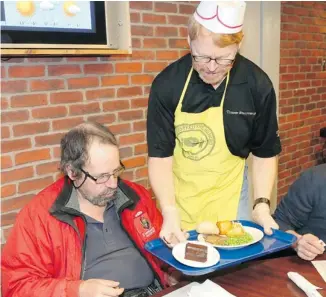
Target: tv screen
{"type": "Point", "coordinates": [53, 22]}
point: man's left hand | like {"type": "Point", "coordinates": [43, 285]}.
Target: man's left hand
{"type": "Point", "coordinates": [262, 216]}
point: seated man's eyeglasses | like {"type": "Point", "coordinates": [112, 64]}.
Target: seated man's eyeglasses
{"type": "Point", "coordinates": [106, 176]}
{"type": "Point", "coordinates": [205, 59]}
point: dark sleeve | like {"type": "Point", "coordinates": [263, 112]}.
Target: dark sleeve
{"type": "Point", "coordinates": [294, 209]}
{"type": "Point", "coordinates": [160, 121]}
{"type": "Point", "coordinates": [265, 141]}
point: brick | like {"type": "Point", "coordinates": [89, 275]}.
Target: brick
{"type": "Point", "coordinates": [8, 218]}
{"type": "Point", "coordinates": [66, 97]}
{"type": "Point", "coordinates": [141, 149]}
{"type": "Point", "coordinates": [31, 128]}
{"type": "Point", "coordinates": [154, 18]}
{"type": "Point", "coordinates": [136, 43]}
{"type": "Point", "coordinates": [49, 112]}
{"type": "Point", "coordinates": [58, 70]}
{"type": "Point", "coordinates": [134, 17]}
{"type": "Point", "coordinates": [116, 105]}
{"type": "Point", "coordinates": [135, 162]}
{"type": "Point", "coordinates": [142, 79]}
{"type": "Point", "coordinates": [16, 174]}
{"type": "Point", "coordinates": [139, 102]}
{"type": "Point", "coordinates": [6, 162]}
{"type": "Point", "coordinates": [129, 91]}
{"type": "Point", "coordinates": [103, 119]}
{"type": "Point", "coordinates": [183, 32]}
{"type": "Point", "coordinates": [83, 82]}
{"type": "Point", "coordinates": [98, 68]}
{"type": "Point", "coordinates": [154, 43]}
{"type": "Point", "coordinates": [120, 128]}
{"type": "Point", "coordinates": [128, 67]}
{"type": "Point", "coordinates": [103, 93]}
{"type": "Point", "coordinates": [32, 156]}
{"type": "Point", "coordinates": [56, 152]}
{"type": "Point", "coordinates": [8, 146]}
{"type": "Point", "coordinates": [4, 103]}
{"type": "Point", "coordinates": [141, 172]}
{"type": "Point", "coordinates": [15, 203]}
{"type": "Point", "coordinates": [28, 100]}
{"type": "Point", "coordinates": [167, 55]}
{"type": "Point", "coordinates": [46, 85]}
{"type": "Point", "coordinates": [79, 109]}
{"type": "Point", "coordinates": [178, 43]}
{"type": "Point", "coordinates": [139, 30]}
{"type": "Point", "coordinates": [141, 5]}
{"type": "Point", "coordinates": [5, 132]}
{"type": "Point", "coordinates": [115, 80]}
{"type": "Point", "coordinates": [44, 59]}
{"type": "Point", "coordinates": [165, 7]}
{"type": "Point", "coordinates": [166, 31]}
{"type": "Point", "coordinates": [46, 168]}
{"type": "Point", "coordinates": [13, 86]}
{"type": "Point", "coordinates": [132, 139]}
{"type": "Point", "coordinates": [49, 139]}
{"type": "Point", "coordinates": [178, 20]}
{"type": "Point", "coordinates": [139, 126]}
{"type": "Point", "coordinates": [143, 55]}
{"type": "Point", "coordinates": [7, 191]}
{"type": "Point", "coordinates": [26, 71]}
{"type": "Point", "coordinates": [81, 59]}
{"type": "Point", "coordinates": [35, 184]}
{"type": "Point", "coordinates": [128, 175]}
{"type": "Point", "coordinates": [125, 152]}
{"type": "Point", "coordinates": [154, 66]}
{"type": "Point", "coordinates": [130, 115]}
{"type": "Point", "coordinates": [66, 124]}
{"type": "Point", "coordinates": [186, 8]}
{"type": "Point", "coordinates": [3, 72]}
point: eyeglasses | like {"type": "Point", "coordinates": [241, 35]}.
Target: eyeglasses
{"type": "Point", "coordinates": [106, 176]}
{"type": "Point", "coordinates": [205, 59]}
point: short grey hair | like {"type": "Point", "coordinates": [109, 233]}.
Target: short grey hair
{"type": "Point", "coordinates": [75, 145]}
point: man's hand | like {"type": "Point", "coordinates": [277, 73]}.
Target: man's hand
{"type": "Point", "coordinates": [171, 232]}
{"type": "Point", "coordinates": [99, 288]}
{"type": "Point", "coordinates": [262, 216]}
{"type": "Point", "coordinates": [308, 246]}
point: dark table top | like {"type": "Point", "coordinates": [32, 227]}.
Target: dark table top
{"type": "Point", "coordinates": [265, 278]}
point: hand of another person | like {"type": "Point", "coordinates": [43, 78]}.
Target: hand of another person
{"type": "Point", "coordinates": [171, 232]}
{"type": "Point", "coordinates": [308, 246]}
{"type": "Point", "coordinates": [262, 216]}
{"type": "Point", "coordinates": [99, 288]}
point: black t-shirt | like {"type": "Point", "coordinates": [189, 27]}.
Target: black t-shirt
{"type": "Point", "coordinates": [250, 121]}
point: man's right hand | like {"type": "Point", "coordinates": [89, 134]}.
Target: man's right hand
{"type": "Point", "coordinates": [171, 232]}
{"type": "Point", "coordinates": [99, 288]}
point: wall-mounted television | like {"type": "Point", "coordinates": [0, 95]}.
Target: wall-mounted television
{"type": "Point", "coordinates": [64, 27]}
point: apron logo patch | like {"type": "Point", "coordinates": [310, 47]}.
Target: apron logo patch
{"type": "Point", "coordinates": [196, 140]}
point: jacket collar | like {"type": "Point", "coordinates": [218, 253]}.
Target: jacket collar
{"type": "Point", "coordinates": [67, 203]}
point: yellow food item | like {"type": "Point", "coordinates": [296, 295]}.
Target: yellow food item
{"type": "Point", "coordinates": [224, 226]}
{"type": "Point", "coordinates": [207, 228]}
{"type": "Point", "coordinates": [236, 230]}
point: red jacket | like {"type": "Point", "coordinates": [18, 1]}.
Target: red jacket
{"type": "Point", "coordinates": [44, 254]}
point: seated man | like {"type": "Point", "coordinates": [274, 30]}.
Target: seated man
{"type": "Point", "coordinates": [302, 212]}
{"type": "Point", "coordinates": [84, 235]}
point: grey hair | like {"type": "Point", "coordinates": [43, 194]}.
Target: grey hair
{"type": "Point", "coordinates": [75, 145]}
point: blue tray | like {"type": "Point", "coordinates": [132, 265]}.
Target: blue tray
{"type": "Point", "coordinates": [279, 240]}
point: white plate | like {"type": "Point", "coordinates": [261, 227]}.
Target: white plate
{"type": "Point", "coordinates": [256, 234]}
{"type": "Point", "coordinates": [213, 255]}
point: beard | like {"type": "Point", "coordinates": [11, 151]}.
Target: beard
{"type": "Point", "coordinates": [102, 199]}
{"type": "Point", "coordinates": [212, 78]}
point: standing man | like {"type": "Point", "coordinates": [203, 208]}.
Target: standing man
{"type": "Point", "coordinates": [207, 112]}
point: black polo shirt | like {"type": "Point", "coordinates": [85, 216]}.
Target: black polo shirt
{"type": "Point", "coordinates": [249, 109]}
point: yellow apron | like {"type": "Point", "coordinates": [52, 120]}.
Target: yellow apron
{"type": "Point", "coordinates": [207, 177]}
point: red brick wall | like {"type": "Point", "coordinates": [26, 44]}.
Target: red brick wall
{"type": "Point", "coordinates": [42, 98]}
{"type": "Point", "coordinates": [302, 105]}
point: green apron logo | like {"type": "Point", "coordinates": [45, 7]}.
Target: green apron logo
{"type": "Point", "coordinates": [196, 140]}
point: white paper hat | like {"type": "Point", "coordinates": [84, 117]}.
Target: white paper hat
{"type": "Point", "coordinates": [225, 17]}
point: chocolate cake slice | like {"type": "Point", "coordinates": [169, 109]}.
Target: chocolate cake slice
{"type": "Point", "coordinates": [196, 252]}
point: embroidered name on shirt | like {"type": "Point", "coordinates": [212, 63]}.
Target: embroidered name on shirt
{"type": "Point", "coordinates": [246, 113]}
